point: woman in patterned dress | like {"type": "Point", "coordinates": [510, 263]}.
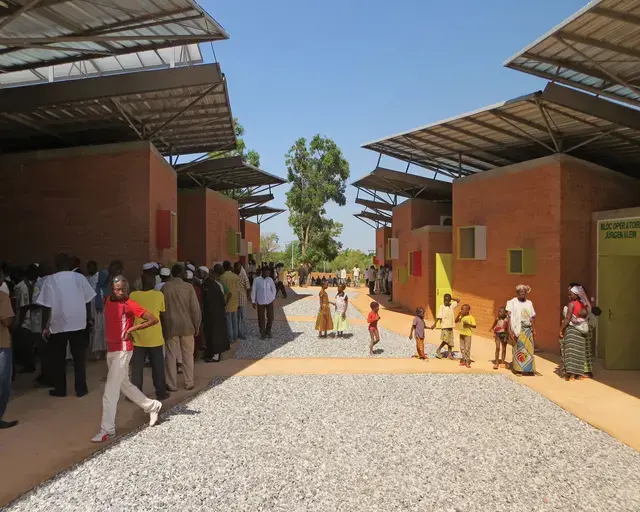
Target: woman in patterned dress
{"type": "Point", "coordinates": [324, 322]}
{"type": "Point", "coordinates": [523, 331]}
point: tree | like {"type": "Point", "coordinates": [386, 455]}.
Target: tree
{"type": "Point", "coordinates": [318, 173]}
{"type": "Point", "coordinates": [268, 245]}
{"type": "Point", "coordinates": [348, 259]}
{"type": "Point", "coordinates": [251, 156]}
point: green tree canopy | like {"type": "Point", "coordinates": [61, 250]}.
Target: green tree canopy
{"type": "Point", "coordinates": [250, 156]}
{"type": "Point", "coordinates": [269, 245]}
{"type": "Point", "coordinates": [317, 172]}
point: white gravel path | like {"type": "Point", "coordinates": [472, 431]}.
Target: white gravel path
{"type": "Point", "coordinates": [300, 339]}
{"type": "Point", "coordinates": [356, 443]}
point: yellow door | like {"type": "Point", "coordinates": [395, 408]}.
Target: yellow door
{"type": "Point", "coordinates": [619, 299]}
{"type": "Point", "coordinates": [444, 277]}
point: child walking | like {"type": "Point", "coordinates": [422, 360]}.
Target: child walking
{"type": "Point", "coordinates": [372, 320]}
{"type": "Point", "coordinates": [501, 335]}
{"type": "Point", "coordinates": [324, 322]}
{"type": "Point", "coordinates": [446, 317]}
{"type": "Point", "coordinates": [468, 323]}
{"type": "Point", "coordinates": [418, 328]}
{"type": "Point", "coordinates": [340, 322]}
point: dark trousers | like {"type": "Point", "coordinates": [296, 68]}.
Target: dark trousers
{"type": "Point", "coordinates": [371, 286]}
{"type": "Point", "coordinates": [78, 342]}
{"type": "Point", "coordinates": [24, 343]}
{"type": "Point", "coordinates": [262, 310]}
{"type": "Point", "coordinates": [156, 357]}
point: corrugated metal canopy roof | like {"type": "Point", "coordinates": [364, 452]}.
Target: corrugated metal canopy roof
{"type": "Point", "coordinates": [151, 59]}
{"type": "Point", "coordinates": [404, 185]}
{"type": "Point", "coordinates": [182, 111]}
{"type": "Point", "coordinates": [224, 174]}
{"type": "Point", "coordinates": [597, 49]}
{"type": "Point", "coordinates": [260, 212]}
{"type": "Point", "coordinates": [558, 120]}
{"type": "Point", "coordinates": [35, 33]}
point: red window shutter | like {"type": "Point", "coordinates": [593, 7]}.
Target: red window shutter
{"type": "Point", "coordinates": [417, 263]}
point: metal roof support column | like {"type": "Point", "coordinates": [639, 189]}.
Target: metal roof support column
{"type": "Point", "coordinates": [556, 143]}
{"type": "Point", "coordinates": [526, 134]}
{"type": "Point", "coordinates": [183, 110]}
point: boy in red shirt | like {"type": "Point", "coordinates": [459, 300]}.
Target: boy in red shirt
{"type": "Point", "coordinates": [119, 314]}
{"type": "Point", "coordinates": [372, 320]}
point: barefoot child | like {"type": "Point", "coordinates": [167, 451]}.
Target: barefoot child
{"type": "Point", "coordinates": [340, 321]}
{"type": "Point", "coordinates": [418, 326]}
{"type": "Point", "coordinates": [468, 323]}
{"type": "Point", "coordinates": [501, 335]}
{"type": "Point", "coordinates": [446, 316]}
{"type": "Point", "coordinates": [324, 322]}
{"type": "Point", "coordinates": [372, 320]}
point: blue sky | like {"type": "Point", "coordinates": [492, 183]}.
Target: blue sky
{"type": "Point", "coordinates": [357, 70]}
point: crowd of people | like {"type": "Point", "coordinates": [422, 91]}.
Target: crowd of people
{"type": "Point", "coordinates": [50, 314]}
{"type": "Point", "coordinates": [167, 320]}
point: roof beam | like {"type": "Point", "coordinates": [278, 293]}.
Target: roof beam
{"type": "Point", "coordinates": [616, 15]}
{"type": "Point", "coordinates": [185, 38]}
{"type": "Point", "coordinates": [20, 99]}
{"type": "Point", "coordinates": [375, 205]}
{"type": "Point", "coordinates": [602, 45]}
{"type": "Point", "coordinates": [452, 151]}
{"type": "Point", "coordinates": [615, 78]}
{"type": "Point", "coordinates": [469, 145]}
{"type": "Point", "coordinates": [261, 199]}
{"type": "Point", "coordinates": [20, 10]}
{"type": "Point", "coordinates": [591, 106]}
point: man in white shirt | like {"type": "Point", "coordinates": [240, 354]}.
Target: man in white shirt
{"type": "Point", "coordinates": [263, 294]}
{"type": "Point", "coordinates": [343, 276]}
{"type": "Point", "coordinates": [28, 329]}
{"type": "Point", "coordinates": [66, 298]}
{"type": "Point", "coordinates": [356, 276]}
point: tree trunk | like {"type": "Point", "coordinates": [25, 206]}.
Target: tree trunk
{"type": "Point", "coordinates": [305, 241]}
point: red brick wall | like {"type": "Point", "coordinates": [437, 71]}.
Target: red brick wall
{"type": "Point", "coordinates": [192, 238]}
{"type": "Point", "coordinates": [251, 233]}
{"type": "Point", "coordinates": [92, 202]}
{"type": "Point", "coordinates": [520, 206]}
{"type": "Point", "coordinates": [552, 215]}
{"type": "Point", "coordinates": [222, 215]}
{"type": "Point", "coordinates": [163, 195]}
{"type": "Point", "coordinates": [382, 235]}
{"type": "Point", "coordinates": [587, 188]}
{"type": "Point", "coordinates": [419, 291]}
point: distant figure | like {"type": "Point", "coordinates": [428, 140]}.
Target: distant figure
{"type": "Point", "coordinates": [418, 327]}
{"type": "Point", "coordinates": [356, 276]}
{"type": "Point", "coordinates": [372, 320]}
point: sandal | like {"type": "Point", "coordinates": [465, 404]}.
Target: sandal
{"type": "Point", "coordinates": [496, 366]}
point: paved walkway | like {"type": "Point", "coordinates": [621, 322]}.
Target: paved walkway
{"type": "Point", "coordinates": [296, 430]}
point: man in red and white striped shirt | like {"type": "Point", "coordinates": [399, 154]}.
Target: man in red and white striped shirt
{"type": "Point", "coordinates": [119, 315]}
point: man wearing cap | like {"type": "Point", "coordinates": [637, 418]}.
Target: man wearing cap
{"type": "Point", "coordinates": [183, 316]}
{"type": "Point", "coordinates": [165, 275]}
{"type": "Point", "coordinates": [147, 269]}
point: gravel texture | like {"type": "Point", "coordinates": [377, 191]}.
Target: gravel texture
{"type": "Point", "coordinates": [300, 339]}
{"type": "Point", "coordinates": [309, 307]}
{"type": "Point", "coordinates": [315, 290]}
{"type": "Point", "coordinates": [356, 443]}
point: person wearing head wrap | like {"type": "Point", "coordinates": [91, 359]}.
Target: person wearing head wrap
{"type": "Point", "coordinates": [165, 275]}
{"type": "Point", "coordinates": [575, 337]}
{"type": "Point", "coordinates": [523, 331]}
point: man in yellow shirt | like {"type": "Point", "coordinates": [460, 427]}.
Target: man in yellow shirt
{"type": "Point", "coordinates": [149, 342]}
{"type": "Point", "coordinates": [230, 280]}
{"type": "Point", "coordinates": [468, 323]}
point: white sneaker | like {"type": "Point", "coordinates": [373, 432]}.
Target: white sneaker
{"type": "Point", "coordinates": [103, 436]}
{"type": "Point", "coordinates": [153, 415]}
